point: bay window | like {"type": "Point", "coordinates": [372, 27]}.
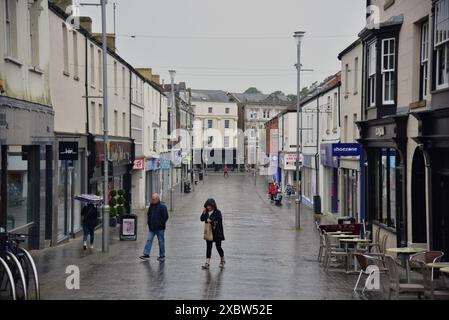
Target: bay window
{"type": "Point", "coordinates": [442, 43]}
{"type": "Point", "coordinates": [424, 60]}
{"type": "Point", "coordinates": [388, 70]}
{"type": "Point", "coordinates": [372, 52]}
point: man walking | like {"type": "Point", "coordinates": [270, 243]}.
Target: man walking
{"type": "Point", "coordinates": [157, 219]}
{"type": "Point", "coordinates": [226, 171]}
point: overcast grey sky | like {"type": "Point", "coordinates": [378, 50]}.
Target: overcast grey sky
{"type": "Point", "coordinates": [234, 44]}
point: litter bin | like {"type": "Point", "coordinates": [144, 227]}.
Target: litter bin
{"type": "Point", "coordinates": [187, 187]}
{"type": "Point", "coordinates": [200, 176]}
{"type": "Point", "coordinates": [128, 228]}
{"type": "Point", "coordinates": [317, 204]}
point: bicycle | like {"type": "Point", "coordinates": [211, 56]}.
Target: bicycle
{"type": "Point", "coordinates": [7, 285]}
{"type": "Point", "coordinates": [22, 267]}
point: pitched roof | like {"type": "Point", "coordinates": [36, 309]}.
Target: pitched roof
{"type": "Point", "coordinates": [210, 96]}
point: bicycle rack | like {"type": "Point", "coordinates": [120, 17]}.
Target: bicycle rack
{"type": "Point", "coordinates": [11, 278]}
{"type": "Point", "coordinates": [22, 275]}
{"type": "Point", "coordinates": [36, 277]}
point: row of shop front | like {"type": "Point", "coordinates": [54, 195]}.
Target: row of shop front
{"type": "Point", "coordinates": [398, 183]}
{"type": "Point", "coordinates": [42, 171]}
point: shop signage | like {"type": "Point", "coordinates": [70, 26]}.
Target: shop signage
{"type": "Point", "coordinates": [380, 131]}
{"type": "Point", "coordinates": [289, 161]}
{"type": "Point", "coordinates": [68, 150]}
{"type": "Point", "coordinates": [152, 164]}
{"type": "Point", "coordinates": [165, 164]}
{"type": "Point", "coordinates": [119, 152]}
{"type": "Point", "coordinates": [139, 164]}
{"type": "Point", "coordinates": [346, 150]}
{"type": "Point", "coordinates": [327, 158]}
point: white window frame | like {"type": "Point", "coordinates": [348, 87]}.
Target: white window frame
{"type": "Point", "coordinates": [442, 83]}
{"type": "Point", "coordinates": [441, 22]}
{"type": "Point", "coordinates": [226, 142]}
{"type": "Point", "coordinates": [11, 28]}
{"type": "Point", "coordinates": [100, 69]}
{"type": "Point", "coordinates": [210, 110]}
{"type": "Point", "coordinates": [388, 72]}
{"type": "Point", "coordinates": [75, 54]}
{"type": "Point", "coordinates": [210, 124]}
{"type": "Point", "coordinates": [425, 60]}
{"type": "Point", "coordinates": [65, 48]}
{"type": "Point", "coordinates": [371, 63]}
{"type": "Point", "coordinates": [227, 124]}
{"type": "Point", "coordinates": [92, 65]}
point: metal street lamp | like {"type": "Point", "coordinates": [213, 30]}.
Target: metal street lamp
{"type": "Point", "coordinates": [298, 36]}
{"type": "Point", "coordinates": [172, 126]}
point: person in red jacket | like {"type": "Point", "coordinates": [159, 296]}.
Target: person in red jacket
{"type": "Point", "coordinates": [226, 171]}
{"type": "Point", "coordinates": [272, 190]}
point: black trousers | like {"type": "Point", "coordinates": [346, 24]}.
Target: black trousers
{"type": "Point", "coordinates": [209, 249]}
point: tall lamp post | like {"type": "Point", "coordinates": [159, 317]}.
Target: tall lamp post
{"type": "Point", "coordinates": [298, 36]}
{"type": "Point", "coordinates": [172, 126]}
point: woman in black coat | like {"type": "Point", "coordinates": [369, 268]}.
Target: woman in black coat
{"type": "Point", "coordinates": [212, 215]}
{"type": "Point", "coordinates": [89, 214]}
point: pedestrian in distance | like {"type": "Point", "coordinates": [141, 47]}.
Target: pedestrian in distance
{"type": "Point", "coordinates": [157, 220]}
{"type": "Point", "coordinates": [272, 190]}
{"type": "Point", "coordinates": [211, 215]}
{"type": "Point", "coordinates": [226, 171]}
{"type": "Point", "coordinates": [89, 216]}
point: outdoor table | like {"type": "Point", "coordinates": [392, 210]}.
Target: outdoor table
{"type": "Point", "coordinates": [445, 270]}
{"type": "Point", "coordinates": [406, 252]}
{"type": "Point", "coordinates": [438, 265]}
{"type": "Point", "coordinates": [338, 233]}
{"type": "Point", "coordinates": [345, 236]}
{"type": "Point", "coordinates": [355, 241]}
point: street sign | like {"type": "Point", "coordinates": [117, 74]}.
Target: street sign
{"type": "Point", "coordinates": [68, 150]}
{"type": "Point", "coordinates": [346, 150]}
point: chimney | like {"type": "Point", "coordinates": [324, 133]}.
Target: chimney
{"type": "Point", "coordinates": [62, 4]}
{"type": "Point", "coordinates": [86, 24]}
{"type": "Point", "coordinates": [110, 40]}
{"type": "Point", "coordinates": [156, 78]}
{"type": "Point", "coordinates": [147, 73]}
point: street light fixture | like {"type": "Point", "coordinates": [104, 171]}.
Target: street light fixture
{"type": "Point", "coordinates": [172, 127]}
{"type": "Point", "coordinates": [298, 36]}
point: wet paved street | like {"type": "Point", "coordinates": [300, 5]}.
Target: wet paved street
{"type": "Point", "coordinates": [266, 257]}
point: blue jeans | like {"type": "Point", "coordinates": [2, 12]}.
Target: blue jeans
{"type": "Point", "coordinates": [88, 231]}
{"type": "Point", "coordinates": [161, 240]}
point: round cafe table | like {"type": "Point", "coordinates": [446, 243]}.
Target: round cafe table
{"type": "Point", "coordinates": [445, 270]}
{"type": "Point", "coordinates": [356, 241]}
{"type": "Point", "coordinates": [406, 252]}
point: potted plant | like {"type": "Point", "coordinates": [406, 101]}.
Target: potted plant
{"type": "Point", "coordinates": [113, 212]}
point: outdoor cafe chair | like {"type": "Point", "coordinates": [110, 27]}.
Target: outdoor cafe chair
{"type": "Point", "coordinates": [394, 281]}
{"type": "Point", "coordinates": [366, 269]}
{"type": "Point", "coordinates": [418, 259]}
{"type": "Point", "coordinates": [332, 251]}
{"type": "Point", "coordinates": [382, 250]}
{"type": "Point", "coordinates": [429, 284]}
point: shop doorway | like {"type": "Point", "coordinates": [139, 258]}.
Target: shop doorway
{"type": "Point", "coordinates": [419, 199]}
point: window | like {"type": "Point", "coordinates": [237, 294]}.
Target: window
{"type": "Point", "coordinates": [92, 65]}
{"type": "Point", "coordinates": [227, 110]}
{"type": "Point", "coordinates": [442, 66]}
{"type": "Point", "coordinates": [93, 118]}
{"type": "Point", "coordinates": [226, 141]}
{"type": "Point", "coordinates": [100, 118]}
{"type": "Point", "coordinates": [115, 123]}
{"type": "Point", "coordinates": [345, 129]}
{"type": "Point", "coordinates": [388, 70]}
{"type": "Point", "coordinates": [356, 75]}
{"type": "Point", "coordinates": [75, 55]}
{"type": "Point", "coordinates": [65, 48]}
{"type": "Point", "coordinates": [227, 122]}
{"type": "Point", "coordinates": [33, 29]}
{"type": "Point", "coordinates": [329, 114]}
{"type": "Point", "coordinates": [210, 110]}
{"type": "Point", "coordinates": [424, 61]}
{"type": "Point", "coordinates": [100, 70]}
{"type": "Point", "coordinates": [355, 132]}
{"type": "Point", "coordinates": [335, 111]}
{"type": "Point", "coordinates": [386, 184]}
{"type": "Point", "coordinates": [115, 78]}
{"type": "Point", "coordinates": [346, 80]}
{"type": "Point", "coordinates": [124, 124]}
{"type": "Point", "coordinates": [441, 22]}
{"type": "Point", "coordinates": [155, 140]}
{"type": "Point", "coordinates": [11, 28]}
{"type": "Point", "coordinates": [123, 82]}
{"type": "Point", "coordinates": [209, 124]}
{"type": "Point", "coordinates": [371, 85]}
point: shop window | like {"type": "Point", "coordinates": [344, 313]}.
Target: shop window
{"type": "Point", "coordinates": [386, 188]}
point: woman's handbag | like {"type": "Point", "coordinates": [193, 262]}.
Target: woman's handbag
{"type": "Point", "coordinates": [208, 235]}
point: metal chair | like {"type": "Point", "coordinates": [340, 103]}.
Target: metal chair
{"type": "Point", "coordinates": [417, 260]}
{"type": "Point", "coordinates": [382, 250]}
{"type": "Point", "coordinates": [365, 269]}
{"type": "Point", "coordinates": [394, 281]}
{"type": "Point", "coordinates": [431, 292]}
{"type": "Point", "coordinates": [332, 250]}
